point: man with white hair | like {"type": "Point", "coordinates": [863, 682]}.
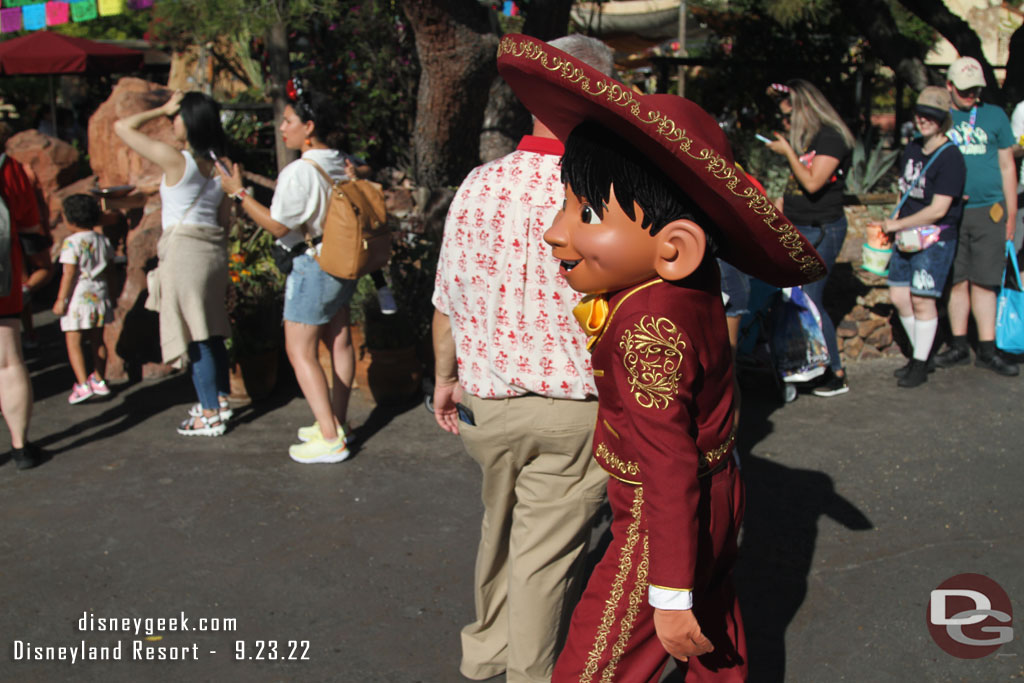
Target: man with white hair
{"type": "Point", "coordinates": [983, 134]}
{"type": "Point", "coordinates": [514, 380]}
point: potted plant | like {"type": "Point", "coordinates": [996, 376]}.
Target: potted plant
{"type": "Point", "coordinates": [255, 301]}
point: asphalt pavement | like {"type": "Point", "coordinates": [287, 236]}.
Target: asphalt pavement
{"type": "Point", "coordinates": [360, 572]}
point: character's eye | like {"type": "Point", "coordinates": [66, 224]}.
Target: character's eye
{"type": "Point", "coordinates": [589, 216]}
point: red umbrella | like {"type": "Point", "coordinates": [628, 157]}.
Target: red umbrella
{"type": "Point", "coordinates": [47, 53]}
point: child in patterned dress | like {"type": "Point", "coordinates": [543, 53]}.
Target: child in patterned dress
{"type": "Point", "coordinates": [83, 301]}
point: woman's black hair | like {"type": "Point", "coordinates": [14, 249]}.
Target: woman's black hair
{"type": "Point", "coordinates": [81, 210]}
{"type": "Point", "coordinates": [323, 112]}
{"type": "Point", "coordinates": [201, 115]}
{"type": "Point", "coordinates": [596, 159]}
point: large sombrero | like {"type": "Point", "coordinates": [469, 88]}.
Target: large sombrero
{"type": "Point", "coordinates": [678, 136]}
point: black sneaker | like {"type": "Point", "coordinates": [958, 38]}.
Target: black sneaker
{"type": "Point", "coordinates": [916, 375]}
{"type": "Point", "coordinates": [26, 458]}
{"type": "Point", "coordinates": [833, 386]}
{"type": "Point", "coordinates": [953, 356]}
{"type": "Point", "coordinates": [998, 365]}
{"type": "Point", "coordinates": [899, 373]}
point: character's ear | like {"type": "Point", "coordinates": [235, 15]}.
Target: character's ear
{"type": "Point", "coordinates": [681, 246]}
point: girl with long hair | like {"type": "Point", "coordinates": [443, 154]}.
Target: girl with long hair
{"type": "Point", "coordinates": [818, 149]}
{"type": "Point", "coordinates": [192, 279]}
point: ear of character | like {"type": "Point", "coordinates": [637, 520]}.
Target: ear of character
{"type": "Point", "coordinates": [681, 246]}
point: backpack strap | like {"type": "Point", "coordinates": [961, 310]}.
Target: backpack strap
{"type": "Point", "coordinates": [330, 181]}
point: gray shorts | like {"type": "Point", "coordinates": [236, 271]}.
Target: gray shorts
{"type": "Point", "coordinates": [311, 296]}
{"type": "Point", "coordinates": [981, 249]}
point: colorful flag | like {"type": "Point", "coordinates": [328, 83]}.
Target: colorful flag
{"type": "Point", "coordinates": [56, 13]}
{"type": "Point", "coordinates": [109, 8]}
{"type": "Point", "coordinates": [34, 17]}
{"type": "Point", "coordinates": [10, 19]}
{"type": "Point", "coordinates": [19, 3]}
{"type": "Point", "coordinates": [83, 10]}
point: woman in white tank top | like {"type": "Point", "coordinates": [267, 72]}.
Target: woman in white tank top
{"type": "Point", "coordinates": [193, 271]}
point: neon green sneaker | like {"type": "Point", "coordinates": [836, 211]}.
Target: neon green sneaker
{"type": "Point", "coordinates": [313, 432]}
{"type": "Point", "coordinates": [317, 451]}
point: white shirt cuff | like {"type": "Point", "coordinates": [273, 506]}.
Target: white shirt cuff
{"type": "Point", "coordinates": [669, 598]}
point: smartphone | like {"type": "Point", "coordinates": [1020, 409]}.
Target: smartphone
{"type": "Point", "coordinates": [465, 414]}
{"type": "Point", "coordinates": [762, 138]}
{"type": "Point", "coordinates": [220, 165]}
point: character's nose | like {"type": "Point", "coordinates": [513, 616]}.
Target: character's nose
{"type": "Point", "coordinates": [557, 235]}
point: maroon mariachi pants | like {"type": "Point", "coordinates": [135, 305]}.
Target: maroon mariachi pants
{"type": "Point", "coordinates": [612, 637]}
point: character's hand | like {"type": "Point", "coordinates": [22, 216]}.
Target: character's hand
{"type": "Point", "coordinates": [231, 183]}
{"type": "Point", "coordinates": [680, 634]}
{"type": "Point", "coordinates": [446, 395]}
{"type": "Point", "coordinates": [350, 169]}
{"type": "Point", "coordinates": [173, 105]}
{"type": "Point", "coordinates": [1011, 227]}
{"type": "Point", "coordinates": [888, 226]}
{"type": "Point", "coordinates": [60, 307]}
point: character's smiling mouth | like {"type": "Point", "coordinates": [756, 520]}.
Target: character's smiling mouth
{"type": "Point", "coordinates": [569, 265]}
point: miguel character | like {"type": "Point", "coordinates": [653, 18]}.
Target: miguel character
{"type": "Point", "coordinates": [651, 191]}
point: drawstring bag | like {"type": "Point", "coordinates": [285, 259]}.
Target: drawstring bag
{"type": "Point", "coordinates": [1010, 308]}
{"type": "Point", "coordinates": [798, 343]}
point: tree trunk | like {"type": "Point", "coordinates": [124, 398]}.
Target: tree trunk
{"type": "Point", "coordinates": [547, 19]}
{"type": "Point", "coordinates": [875, 21]}
{"type": "Point", "coordinates": [457, 54]}
{"type": "Point", "coordinates": [959, 33]}
{"type": "Point", "coordinates": [277, 57]}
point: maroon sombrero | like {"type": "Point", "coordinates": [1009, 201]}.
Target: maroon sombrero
{"type": "Point", "coordinates": [677, 135]}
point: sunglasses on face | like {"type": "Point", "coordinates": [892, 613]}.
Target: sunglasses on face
{"type": "Point", "coordinates": [969, 93]}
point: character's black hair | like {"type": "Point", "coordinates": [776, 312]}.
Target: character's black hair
{"type": "Point", "coordinates": [81, 210]}
{"type": "Point", "coordinates": [201, 115]}
{"type": "Point", "coordinates": [596, 159]}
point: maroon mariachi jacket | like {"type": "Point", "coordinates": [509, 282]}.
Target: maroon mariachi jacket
{"type": "Point", "coordinates": [664, 377]}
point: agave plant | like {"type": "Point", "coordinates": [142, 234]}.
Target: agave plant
{"type": "Point", "coordinates": [868, 168]}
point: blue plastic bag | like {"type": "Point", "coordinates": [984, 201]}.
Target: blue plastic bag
{"type": "Point", "coordinates": [798, 344]}
{"type": "Point", "coordinates": [1010, 308]}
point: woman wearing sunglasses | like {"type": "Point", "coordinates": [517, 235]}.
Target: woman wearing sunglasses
{"type": "Point", "coordinates": [818, 149]}
{"type": "Point", "coordinates": [316, 304]}
{"type": "Point", "coordinates": [932, 179]}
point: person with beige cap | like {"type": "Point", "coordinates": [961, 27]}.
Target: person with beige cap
{"type": "Point", "coordinates": [983, 134]}
{"type": "Point", "coordinates": [932, 176]}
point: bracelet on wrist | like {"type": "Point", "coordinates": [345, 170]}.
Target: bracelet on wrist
{"type": "Point", "coordinates": [239, 197]}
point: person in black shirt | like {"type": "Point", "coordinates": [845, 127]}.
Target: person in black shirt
{"type": "Point", "coordinates": [813, 198]}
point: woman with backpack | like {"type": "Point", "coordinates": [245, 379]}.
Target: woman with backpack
{"type": "Point", "coordinates": [316, 304]}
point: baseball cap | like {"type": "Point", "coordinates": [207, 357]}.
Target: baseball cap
{"type": "Point", "coordinates": [966, 73]}
{"type": "Point", "coordinates": [934, 102]}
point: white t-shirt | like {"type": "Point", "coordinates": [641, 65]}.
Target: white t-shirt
{"type": "Point", "coordinates": [176, 199]}
{"type": "Point", "coordinates": [302, 195]}
{"type": "Point", "coordinates": [1017, 126]}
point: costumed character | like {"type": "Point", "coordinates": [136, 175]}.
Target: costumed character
{"type": "Point", "coordinates": [651, 188]}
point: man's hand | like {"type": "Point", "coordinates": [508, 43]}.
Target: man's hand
{"type": "Point", "coordinates": [1011, 225]}
{"type": "Point", "coordinates": [60, 307]}
{"type": "Point", "coordinates": [680, 634]}
{"type": "Point", "coordinates": [446, 395]}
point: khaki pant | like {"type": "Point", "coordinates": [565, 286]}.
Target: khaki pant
{"type": "Point", "coordinates": [541, 489]}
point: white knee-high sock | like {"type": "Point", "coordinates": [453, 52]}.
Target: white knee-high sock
{"type": "Point", "coordinates": [924, 335]}
{"type": "Point", "coordinates": [908, 325]}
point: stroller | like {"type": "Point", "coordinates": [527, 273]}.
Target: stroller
{"type": "Point", "coordinates": [781, 335]}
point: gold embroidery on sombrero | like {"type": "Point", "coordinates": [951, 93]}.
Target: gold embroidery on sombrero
{"type": "Point", "coordinates": [636, 597]}
{"type": "Point", "coordinates": [716, 165]}
{"type": "Point", "coordinates": [625, 564]}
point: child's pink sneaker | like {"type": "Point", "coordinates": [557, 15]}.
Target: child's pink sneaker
{"type": "Point", "coordinates": [79, 393]}
{"type": "Point", "coordinates": [98, 385]}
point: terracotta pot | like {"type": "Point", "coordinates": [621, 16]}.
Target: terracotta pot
{"type": "Point", "coordinates": [254, 375]}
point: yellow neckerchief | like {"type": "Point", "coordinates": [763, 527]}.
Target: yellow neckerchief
{"type": "Point", "coordinates": [593, 314]}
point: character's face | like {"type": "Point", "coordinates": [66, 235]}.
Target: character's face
{"type": "Point", "coordinates": [293, 131]}
{"type": "Point", "coordinates": [603, 253]}
{"type": "Point", "coordinates": [927, 125]}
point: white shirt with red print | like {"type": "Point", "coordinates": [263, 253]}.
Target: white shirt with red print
{"type": "Point", "coordinates": [510, 310]}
